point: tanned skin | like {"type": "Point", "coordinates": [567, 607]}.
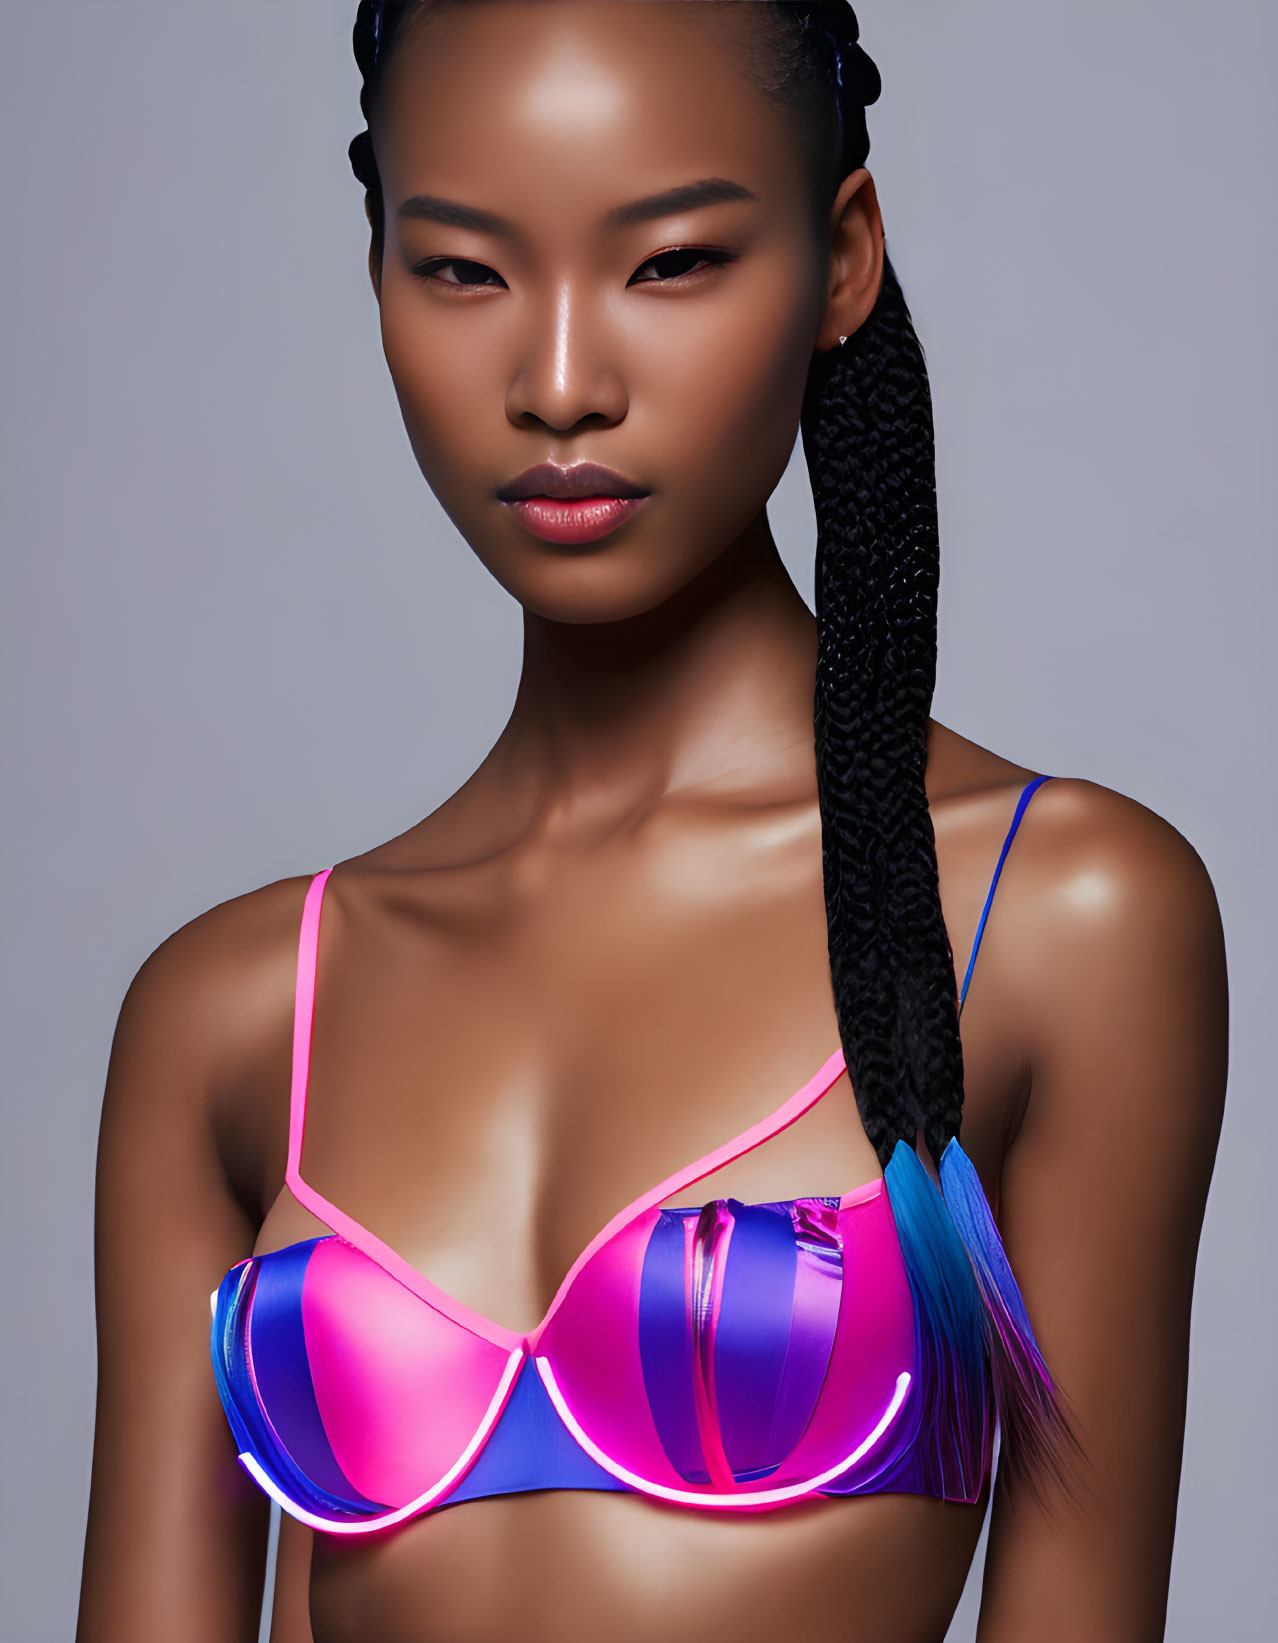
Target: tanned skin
{"type": "Point", "coordinates": [607, 952]}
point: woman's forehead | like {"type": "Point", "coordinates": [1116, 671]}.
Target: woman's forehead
{"type": "Point", "coordinates": [589, 86]}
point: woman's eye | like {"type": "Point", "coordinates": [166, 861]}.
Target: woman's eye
{"type": "Point", "coordinates": [468, 273]}
{"type": "Point", "coordinates": [680, 263]}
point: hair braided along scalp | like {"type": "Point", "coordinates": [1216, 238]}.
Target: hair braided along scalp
{"type": "Point", "coordinates": [868, 442]}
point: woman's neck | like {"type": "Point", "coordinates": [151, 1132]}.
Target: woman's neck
{"type": "Point", "coordinates": [709, 694]}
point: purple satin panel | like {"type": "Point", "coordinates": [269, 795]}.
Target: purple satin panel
{"type": "Point", "coordinates": [276, 1348]}
{"type": "Point", "coordinates": [739, 1304]}
{"type": "Point", "coordinates": [707, 1268]}
{"type": "Point", "coordinates": [818, 1290]}
{"type": "Point", "coordinates": [666, 1345]}
{"type": "Point", "coordinates": [755, 1321]}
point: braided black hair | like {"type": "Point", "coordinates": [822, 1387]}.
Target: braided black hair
{"type": "Point", "coordinates": [868, 440]}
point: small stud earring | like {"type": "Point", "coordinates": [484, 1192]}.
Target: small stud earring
{"type": "Point", "coordinates": [842, 340]}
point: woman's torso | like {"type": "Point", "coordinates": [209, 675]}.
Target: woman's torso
{"type": "Point", "coordinates": [509, 1047]}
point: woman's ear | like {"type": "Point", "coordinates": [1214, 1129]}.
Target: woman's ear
{"type": "Point", "coordinates": [856, 259]}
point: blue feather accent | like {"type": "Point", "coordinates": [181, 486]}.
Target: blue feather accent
{"type": "Point", "coordinates": [1030, 1417]}
{"type": "Point", "coordinates": [966, 1201]}
{"type": "Point", "coordinates": [956, 1409]}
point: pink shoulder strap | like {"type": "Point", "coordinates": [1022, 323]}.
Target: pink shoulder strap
{"type": "Point", "coordinates": [303, 1016]}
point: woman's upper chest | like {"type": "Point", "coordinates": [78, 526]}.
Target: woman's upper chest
{"type": "Point", "coordinates": [505, 1054]}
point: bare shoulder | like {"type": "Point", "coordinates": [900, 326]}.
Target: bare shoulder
{"type": "Point", "coordinates": [1089, 861]}
{"type": "Point", "coordinates": [221, 973]}
{"type": "Point", "coordinates": [1113, 967]}
{"type": "Point", "coordinates": [1097, 867]}
{"type": "Point", "coordinates": [203, 1031]}
{"type": "Point", "coordinates": [1104, 943]}
{"type": "Point", "coordinates": [1090, 864]}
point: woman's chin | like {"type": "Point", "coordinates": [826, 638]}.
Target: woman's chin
{"type": "Point", "coordinates": [607, 586]}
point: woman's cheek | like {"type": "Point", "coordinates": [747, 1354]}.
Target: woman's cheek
{"type": "Point", "coordinates": [729, 435]}
{"type": "Point", "coordinates": [438, 403]}
{"type": "Point", "coordinates": [733, 390]}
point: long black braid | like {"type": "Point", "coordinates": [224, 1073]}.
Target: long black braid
{"type": "Point", "coordinates": [868, 440]}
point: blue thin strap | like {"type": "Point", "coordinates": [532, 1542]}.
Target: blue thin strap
{"type": "Point", "coordinates": [1027, 793]}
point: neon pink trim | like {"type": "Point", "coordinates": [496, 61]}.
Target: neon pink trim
{"type": "Point", "coordinates": [862, 1194]}
{"type": "Point", "coordinates": [776, 1121]}
{"type": "Point", "coordinates": [391, 1261]}
{"type": "Point", "coordinates": [324, 1209]}
{"type": "Point", "coordinates": [303, 1015]}
{"type": "Point", "coordinates": [366, 1526]}
{"type": "Point", "coordinates": [746, 1500]}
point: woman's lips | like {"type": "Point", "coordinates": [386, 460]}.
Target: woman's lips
{"type": "Point", "coordinates": [583, 519]}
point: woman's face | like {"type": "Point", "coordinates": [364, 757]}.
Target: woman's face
{"type": "Point", "coordinates": [533, 312]}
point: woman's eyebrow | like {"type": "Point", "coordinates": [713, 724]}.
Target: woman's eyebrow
{"type": "Point", "coordinates": [683, 197]}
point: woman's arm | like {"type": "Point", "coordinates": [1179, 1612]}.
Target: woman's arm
{"type": "Point", "coordinates": [1121, 988]}
{"type": "Point", "coordinates": [176, 1538]}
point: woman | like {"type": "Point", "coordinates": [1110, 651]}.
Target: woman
{"type": "Point", "coordinates": [508, 1374]}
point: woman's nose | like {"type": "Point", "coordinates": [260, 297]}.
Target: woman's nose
{"type": "Point", "coordinates": [568, 368]}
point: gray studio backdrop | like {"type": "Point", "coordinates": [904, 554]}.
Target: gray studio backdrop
{"type": "Point", "coordinates": [231, 603]}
